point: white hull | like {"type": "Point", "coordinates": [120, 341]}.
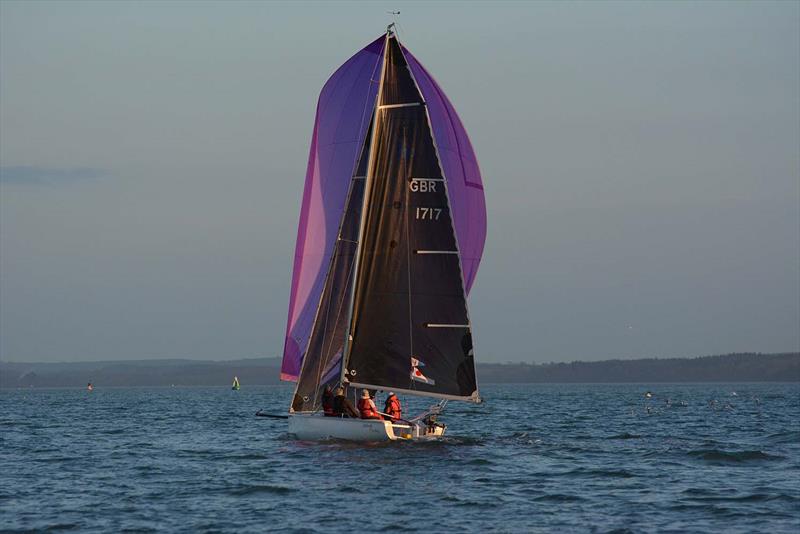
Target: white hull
{"type": "Point", "coordinates": [318, 427]}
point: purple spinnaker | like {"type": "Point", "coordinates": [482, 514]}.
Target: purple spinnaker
{"type": "Point", "coordinates": [343, 113]}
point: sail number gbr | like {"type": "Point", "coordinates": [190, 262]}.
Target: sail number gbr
{"type": "Point", "coordinates": [423, 185]}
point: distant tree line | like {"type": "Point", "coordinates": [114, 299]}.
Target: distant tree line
{"type": "Point", "coordinates": [742, 367]}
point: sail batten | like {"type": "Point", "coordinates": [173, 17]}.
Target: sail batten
{"type": "Point", "coordinates": [406, 105]}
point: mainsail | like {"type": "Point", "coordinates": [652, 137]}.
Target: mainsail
{"type": "Point", "coordinates": [406, 309]}
{"type": "Point", "coordinates": [410, 302]}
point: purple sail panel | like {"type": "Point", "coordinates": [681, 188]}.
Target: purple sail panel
{"type": "Point", "coordinates": [343, 113]}
{"type": "Point", "coordinates": [461, 170]}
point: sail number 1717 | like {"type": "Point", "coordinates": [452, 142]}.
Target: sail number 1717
{"type": "Point", "coordinates": [428, 214]}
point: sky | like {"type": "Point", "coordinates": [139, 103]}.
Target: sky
{"type": "Point", "coordinates": [641, 165]}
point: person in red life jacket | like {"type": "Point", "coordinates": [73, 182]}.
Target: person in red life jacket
{"type": "Point", "coordinates": [342, 407]}
{"type": "Point", "coordinates": [327, 402]}
{"type": "Point", "coordinates": [392, 407]}
{"type": "Point", "coordinates": [367, 407]}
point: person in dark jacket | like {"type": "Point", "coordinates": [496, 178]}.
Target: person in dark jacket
{"type": "Point", "coordinates": [342, 406]}
{"type": "Point", "coordinates": [327, 402]}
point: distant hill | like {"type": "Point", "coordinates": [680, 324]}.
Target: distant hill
{"type": "Point", "coordinates": [746, 367]}
{"type": "Point", "coordinates": [140, 373]}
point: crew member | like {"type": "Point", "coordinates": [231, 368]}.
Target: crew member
{"type": "Point", "coordinates": [327, 402]}
{"type": "Point", "coordinates": [367, 407]}
{"type": "Point", "coordinates": [342, 405]}
{"type": "Point", "coordinates": [392, 407]}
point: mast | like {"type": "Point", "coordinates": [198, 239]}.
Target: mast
{"type": "Point", "coordinates": [367, 187]}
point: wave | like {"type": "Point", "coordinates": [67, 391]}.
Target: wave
{"type": "Point", "coordinates": [479, 461]}
{"type": "Point", "coordinates": [601, 473]}
{"type": "Point", "coordinates": [789, 436]}
{"type": "Point", "coordinates": [700, 495]}
{"type": "Point", "coordinates": [244, 456]}
{"type": "Point", "coordinates": [458, 501]}
{"type": "Point", "coordinates": [625, 435]}
{"type": "Point", "coordinates": [559, 497]}
{"type": "Point", "coordinates": [265, 488]}
{"type": "Point", "coordinates": [716, 455]}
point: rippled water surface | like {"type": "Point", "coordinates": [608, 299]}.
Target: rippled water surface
{"type": "Point", "coordinates": [713, 457]}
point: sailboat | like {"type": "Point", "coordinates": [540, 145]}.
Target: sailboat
{"type": "Point", "coordinates": [235, 384]}
{"type": "Point", "coordinates": [391, 233]}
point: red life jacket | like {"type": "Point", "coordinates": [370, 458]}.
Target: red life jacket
{"type": "Point", "coordinates": [366, 409]}
{"type": "Point", "coordinates": [393, 407]}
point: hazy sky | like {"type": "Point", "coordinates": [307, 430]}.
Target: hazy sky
{"type": "Point", "coordinates": [640, 160]}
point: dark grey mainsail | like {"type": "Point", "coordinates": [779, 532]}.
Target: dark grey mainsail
{"type": "Point", "coordinates": [410, 330]}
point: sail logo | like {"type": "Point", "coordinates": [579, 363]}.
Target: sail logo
{"type": "Point", "coordinates": [417, 375]}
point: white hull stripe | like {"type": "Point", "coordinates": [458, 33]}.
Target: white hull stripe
{"type": "Point", "coordinates": [440, 325]}
{"type": "Point", "coordinates": [435, 252]}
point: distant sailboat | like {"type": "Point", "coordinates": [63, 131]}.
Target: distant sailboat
{"type": "Point", "coordinates": [391, 234]}
{"type": "Point", "coordinates": [236, 385]}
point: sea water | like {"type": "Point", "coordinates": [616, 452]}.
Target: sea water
{"type": "Point", "coordinates": [548, 458]}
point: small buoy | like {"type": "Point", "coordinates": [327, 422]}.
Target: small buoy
{"type": "Point", "coordinates": [89, 386]}
{"type": "Point", "coordinates": [648, 395]}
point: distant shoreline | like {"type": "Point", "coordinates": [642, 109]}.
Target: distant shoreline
{"type": "Point", "coordinates": [289, 386]}
{"type": "Point", "coordinates": [728, 368]}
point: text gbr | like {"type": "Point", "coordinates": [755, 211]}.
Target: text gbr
{"type": "Point", "coordinates": [425, 185]}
